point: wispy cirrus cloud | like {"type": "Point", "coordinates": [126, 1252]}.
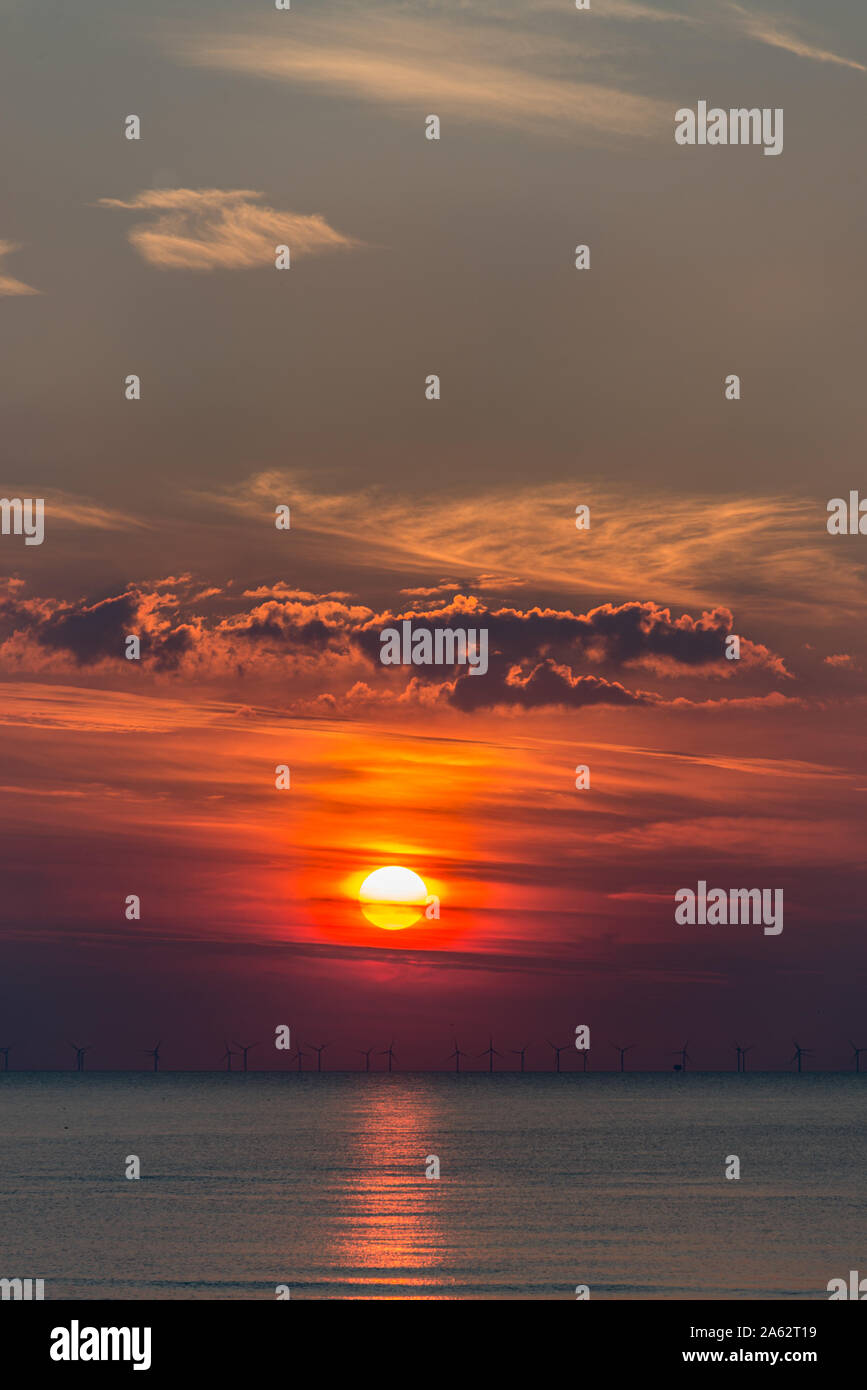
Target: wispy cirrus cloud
{"type": "Point", "coordinates": [732, 19]}
{"type": "Point", "coordinates": [769, 29]}
{"type": "Point", "coordinates": [687, 549]}
{"type": "Point", "coordinates": [67, 510]}
{"type": "Point", "coordinates": [8, 284]}
{"type": "Point", "coordinates": [493, 73]}
{"type": "Point", "coordinates": [221, 229]}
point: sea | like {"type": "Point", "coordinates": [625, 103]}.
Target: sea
{"type": "Point", "coordinates": [324, 1185]}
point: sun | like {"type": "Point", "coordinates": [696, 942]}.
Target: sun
{"type": "Point", "coordinates": [393, 897]}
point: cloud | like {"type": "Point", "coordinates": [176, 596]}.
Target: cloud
{"type": "Point", "coordinates": [331, 648]}
{"type": "Point", "coordinates": [732, 19]}
{"type": "Point", "coordinates": [8, 284]}
{"type": "Point", "coordinates": [67, 510]}
{"type": "Point", "coordinates": [631, 634]}
{"type": "Point", "coordinates": [477, 72]}
{"type": "Point", "coordinates": [480, 584]}
{"type": "Point", "coordinates": [546, 685]}
{"type": "Point", "coordinates": [770, 551]}
{"type": "Point", "coordinates": [533, 654]}
{"type": "Point", "coordinates": [90, 631]}
{"type": "Point", "coordinates": [221, 229]}
{"type": "Point", "coordinates": [768, 30]}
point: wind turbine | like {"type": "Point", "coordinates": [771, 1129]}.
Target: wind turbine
{"type": "Point", "coordinates": [623, 1051]}
{"type": "Point", "coordinates": [300, 1055]}
{"type": "Point", "coordinates": [557, 1051]}
{"type": "Point", "coordinates": [682, 1053]}
{"type": "Point", "coordinates": [79, 1055]}
{"type": "Point", "coordinates": [457, 1054]}
{"type": "Point", "coordinates": [798, 1053]}
{"type": "Point", "coordinates": [519, 1052]}
{"type": "Point", "coordinates": [155, 1053]}
{"type": "Point", "coordinates": [366, 1056]}
{"type": "Point", "coordinates": [389, 1053]}
{"type": "Point", "coordinates": [585, 1053]}
{"type": "Point", "coordinates": [5, 1053]}
{"type": "Point", "coordinates": [742, 1055]}
{"type": "Point", "coordinates": [490, 1052]}
{"type": "Point", "coordinates": [856, 1050]}
{"type": "Point", "coordinates": [228, 1055]}
{"type": "Point", "coordinates": [319, 1051]}
{"type": "Point", "coordinates": [245, 1050]}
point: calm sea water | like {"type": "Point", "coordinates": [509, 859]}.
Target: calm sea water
{"type": "Point", "coordinates": [319, 1182]}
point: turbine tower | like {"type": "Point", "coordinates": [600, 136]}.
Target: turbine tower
{"type": "Point", "coordinates": [490, 1052]}
{"type": "Point", "coordinates": [155, 1053]}
{"type": "Point", "coordinates": [856, 1050]}
{"type": "Point", "coordinates": [245, 1050]}
{"type": "Point", "coordinates": [742, 1055]}
{"type": "Point", "coordinates": [520, 1052]}
{"type": "Point", "coordinates": [227, 1057]}
{"type": "Point", "coordinates": [682, 1053]}
{"type": "Point", "coordinates": [79, 1055]}
{"type": "Point", "coordinates": [798, 1053]}
{"type": "Point", "coordinates": [557, 1051]}
{"type": "Point", "coordinates": [4, 1052]}
{"type": "Point", "coordinates": [389, 1053]}
{"type": "Point", "coordinates": [366, 1056]}
{"type": "Point", "coordinates": [623, 1051]}
{"type": "Point", "coordinates": [457, 1054]}
{"type": "Point", "coordinates": [319, 1051]}
{"type": "Point", "coordinates": [300, 1056]}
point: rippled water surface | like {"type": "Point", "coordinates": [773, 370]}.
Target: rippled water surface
{"type": "Point", "coordinates": [318, 1182]}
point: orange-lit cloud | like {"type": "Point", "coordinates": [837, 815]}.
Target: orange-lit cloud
{"type": "Point", "coordinates": [330, 648]}
{"type": "Point", "coordinates": [221, 229]}
{"type": "Point", "coordinates": [8, 284]}
{"type": "Point", "coordinates": [691, 549]}
{"type": "Point", "coordinates": [489, 73]}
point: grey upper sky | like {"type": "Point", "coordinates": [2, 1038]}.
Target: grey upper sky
{"type": "Point", "coordinates": [704, 261]}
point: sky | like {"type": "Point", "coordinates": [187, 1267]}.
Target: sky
{"type": "Point", "coordinates": [305, 388]}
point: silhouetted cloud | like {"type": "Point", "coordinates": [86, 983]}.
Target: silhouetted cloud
{"type": "Point", "coordinates": [332, 645]}
{"type": "Point", "coordinates": [546, 684]}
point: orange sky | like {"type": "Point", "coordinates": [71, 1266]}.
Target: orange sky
{"type": "Point", "coordinates": [307, 389]}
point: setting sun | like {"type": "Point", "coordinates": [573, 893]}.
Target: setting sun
{"type": "Point", "coordinates": [393, 897]}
